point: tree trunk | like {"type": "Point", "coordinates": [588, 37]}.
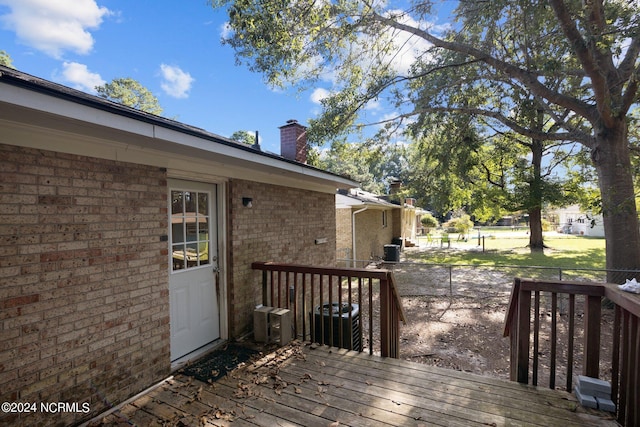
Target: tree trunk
{"type": "Point", "coordinates": [613, 164]}
{"type": "Point", "coordinates": [536, 243]}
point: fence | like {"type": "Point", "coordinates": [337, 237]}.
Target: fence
{"type": "Point", "coordinates": [467, 280]}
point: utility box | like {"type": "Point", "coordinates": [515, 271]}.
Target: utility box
{"type": "Point", "coordinates": [344, 323]}
{"type": "Point", "coordinates": [272, 325]}
{"type": "Point", "coordinates": [392, 253]}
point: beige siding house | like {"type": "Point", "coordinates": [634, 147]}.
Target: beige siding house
{"type": "Point", "coordinates": [126, 243]}
{"type": "Point", "coordinates": [366, 223]}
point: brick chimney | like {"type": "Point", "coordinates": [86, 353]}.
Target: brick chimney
{"type": "Point", "coordinates": [293, 141]}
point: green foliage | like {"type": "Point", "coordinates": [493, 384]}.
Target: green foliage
{"type": "Point", "coordinates": [538, 74]}
{"type": "Point", "coordinates": [130, 92]}
{"type": "Point", "coordinates": [368, 163]}
{"type": "Point", "coordinates": [5, 59]}
{"type": "Point", "coordinates": [461, 224]}
{"type": "Point", "coordinates": [244, 137]}
{"type": "Point", "coordinates": [428, 221]}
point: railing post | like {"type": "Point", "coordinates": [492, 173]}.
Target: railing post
{"type": "Point", "coordinates": [385, 339]}
{"type": "Point", "coordinates": [592, 319]}
{"type": "Point", "coordinates": [264, 288]}
{"type": "Point", "coordinates": [523, 330]}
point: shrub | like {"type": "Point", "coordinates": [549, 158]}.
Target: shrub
{"type": "Point", "coordinates": [460, 225]}
{"type": "Point", "coordinates": [428, 222]}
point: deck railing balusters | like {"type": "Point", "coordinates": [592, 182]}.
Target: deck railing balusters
{"type": "Point", "coordinates": [321, 312]}
{"type": "Point", "coordinates": [304, 307]}
{"type": "Point", "coordinates": [360, 335]}
{"type": "Point", "coordinates": [625, 345]}
{"type": "Point", "coordinates": [554, 340]}
{"type": "Point", "coordinates": [331, 284]}
{"type": "Point", "coordinates": [536, 337]}
{"type": "Point", "coordinates": [370, 315]}
{"type": "Point", "coordinates": [570, 348]}
{"type": "Point", "coordinates": [329, 312]}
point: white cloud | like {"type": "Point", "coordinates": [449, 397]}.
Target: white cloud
{"type": "Point", "coordinates": [54, 26]}
{"type": "Point", "coordinates": [407, 47]}
{"type": "Point", "coordinates": [80, 77]}
{"type": "Point", "coordinates": [373, 105]}
{"type": "Point", "coordinates": [175, 82]}
{"type": "Point", "coordinates": [225, 30]}
{"type": "Point", "coordinates": [318, 95]}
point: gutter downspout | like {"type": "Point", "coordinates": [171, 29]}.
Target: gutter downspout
{"type": "Point", "coordinates": [353, 233]}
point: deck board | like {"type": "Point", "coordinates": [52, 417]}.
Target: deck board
{"type": "Point", "coordinates": [307, 386]}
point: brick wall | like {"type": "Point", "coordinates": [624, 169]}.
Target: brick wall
{"type": "Point", "coordinates": [371, 235]}
{"type": "Point", "coordinates": [396, 222]}
{"type": "Point", "coordinates": [293, 141]}
{"type": "Point", "coordinates": [281, 226]}
{"type": "Point", "coordinates": [84, 303]}
{"type": "Point", "coordinates": [344, 240]}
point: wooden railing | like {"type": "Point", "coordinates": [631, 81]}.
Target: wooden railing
{"type": "Point", "coordinates": [624, 347]}
{"type": "Point", "coordinates": [368, 296]}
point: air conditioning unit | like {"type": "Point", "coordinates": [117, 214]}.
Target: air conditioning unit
{"type": "Point", "coordinates": [343, 320]}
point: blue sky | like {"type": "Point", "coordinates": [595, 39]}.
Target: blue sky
{"type": "Point", "coordinates": [171, 47]}
{"type": "Point", "coordinates": [174, 49]}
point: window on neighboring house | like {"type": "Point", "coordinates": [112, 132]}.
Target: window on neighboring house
{"type": "Point", "coordinates": [384, 218]}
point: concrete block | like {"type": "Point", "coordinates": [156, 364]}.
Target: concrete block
{"type": "Point", "coordinates": [272, 325]}
{"type": "Point", "coordinates": [606, 404]}
{"type": "Point", "coordinates": [261, 324]}
{"type": "Point", "coordinates": [586, 400]}
{"type": "Point", "coordinates": [594, 386]}
{"type": "Point", "coordinates": [281, 327]}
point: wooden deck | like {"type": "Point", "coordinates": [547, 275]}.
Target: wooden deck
{"type": "Point", "coordinates": [304, 386]}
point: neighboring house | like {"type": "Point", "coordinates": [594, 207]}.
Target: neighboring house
{"type": "Point", "coordinates": [126, 242]}
{"type": "Point", "coordinates": [366, 222]}
{"type": "Point", "coordinates": [573, 220]}
{"type": "Point", "coordinates": [411, 225]}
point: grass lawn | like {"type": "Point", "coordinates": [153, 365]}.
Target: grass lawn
{"type": "Point", "coordinates": [510, 248]}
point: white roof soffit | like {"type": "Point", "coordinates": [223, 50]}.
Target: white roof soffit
{"type": "Point", "coordinates": [344, 201]}
{"type": "Point", "coordinates": [61, 119]}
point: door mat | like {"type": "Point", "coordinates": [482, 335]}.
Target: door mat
{"type": "Point", "coordinates": [218, 363]}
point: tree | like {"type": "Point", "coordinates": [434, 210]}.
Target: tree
{"type": "Point", "coordinates": [369, 163]}
{"type": "Point", "coordinates": [489, 175]}
{"type": "Point", "coordinates": [130, 92]}
{"type": "Point", "coordinates": [428, 222]}
{"type": "Point", "coordinates": [578, 61]}
{"type": "Point", "coordinates": [460, 224]}
{"type": "Point", "coordinates": [5, 59]}
{"type": "Point", "coordinates": [244, 137]}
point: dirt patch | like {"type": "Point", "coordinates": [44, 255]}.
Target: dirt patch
{"type": "Point", "coordinates": [456, 333]}
{"type": "Point", "coordinates": [456, 321]}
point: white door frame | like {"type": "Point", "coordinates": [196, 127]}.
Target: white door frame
{"type": "Point", "coordinates": [185, 178]}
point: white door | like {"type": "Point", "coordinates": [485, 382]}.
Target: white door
{"type": "Point", "coordinates": [193, 291]}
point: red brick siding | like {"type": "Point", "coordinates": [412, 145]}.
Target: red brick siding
{"type": "Point", "coordinates": [281, 226]}
{"type": "Point", "coordinates": [84, 302]}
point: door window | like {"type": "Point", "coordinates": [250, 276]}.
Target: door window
{"type": "Point", "coordinates": [190, 221]}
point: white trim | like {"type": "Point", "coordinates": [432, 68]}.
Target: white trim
{"type": "Point", "coordinates": [221, 233]}
{"type": "Point", "coordinates": [85, 130]}
{"type": "Point", "coordinates": [185, 175]}
{"type": "Point", "coordinates": [353, 232]}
